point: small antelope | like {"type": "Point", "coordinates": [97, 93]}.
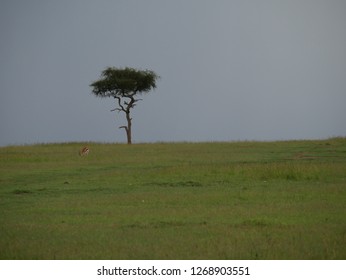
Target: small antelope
{"type": "Point", "coordinates": [84, 151]}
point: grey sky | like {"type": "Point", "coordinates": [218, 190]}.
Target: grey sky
{"type": "Point", "coordinates": [231, 69]}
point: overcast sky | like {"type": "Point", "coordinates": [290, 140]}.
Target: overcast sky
{"type": "Point", "coordinates": [230, 69]}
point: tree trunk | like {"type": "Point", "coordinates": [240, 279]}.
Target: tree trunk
{"type": "Point", "coordinates": [128, 128]}
{"type": "Point", "coordinates": [126, 108]}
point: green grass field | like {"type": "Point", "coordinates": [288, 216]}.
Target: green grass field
{"type": "Point", "coordinates": [238, 200]}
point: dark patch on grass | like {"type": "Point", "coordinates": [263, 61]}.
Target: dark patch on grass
{"type": "Point", "coordinates": [179, 184]}
{"type": "Point", "coordinates": [163, 224]}
{"type": "Point", "coordinates": [22, 192]}
{"type": "Point", "coordinates": [91, 190]}
{"type": "Point", "coordinates": [257, 223]}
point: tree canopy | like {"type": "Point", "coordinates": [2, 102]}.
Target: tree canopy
{"type": "Point", "coordinates": [124, 82]}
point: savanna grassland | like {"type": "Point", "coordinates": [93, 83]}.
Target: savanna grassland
{"type": "Point", "coordinates": [238, 200]}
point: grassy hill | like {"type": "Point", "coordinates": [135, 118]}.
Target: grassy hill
{"type": "Point", "coordinates": [238, 200]}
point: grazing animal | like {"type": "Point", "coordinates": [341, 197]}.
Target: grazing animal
{"type": "Point", "coordinates": [84, 151]}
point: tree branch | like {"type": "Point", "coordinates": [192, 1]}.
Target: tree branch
{"type": "Point", "coordinates": [120, 105]}
{"type": "Point", "coordinates": [116, 109]}
{"type": "Point", "coordinates": [126, 105]}
{"type": "Point", "coordinates": [124, 126]}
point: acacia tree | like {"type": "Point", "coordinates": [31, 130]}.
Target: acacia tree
{"type": "Point", "coordinates": [124, 85]}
